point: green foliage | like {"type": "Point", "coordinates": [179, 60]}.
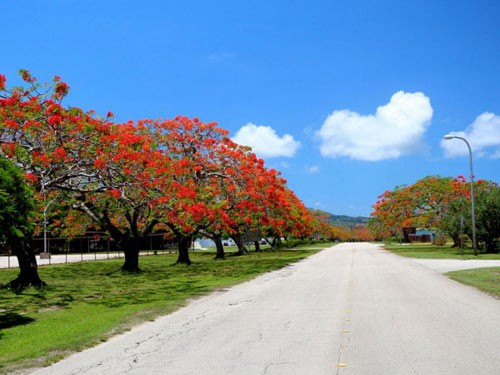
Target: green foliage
{"type": "Point", "coordinates": [16, 203]}
{"type": "Point", "coordinates": [487, 210]}
{"type": "Point", "coordinates": [86, 303]}
{"type": "Point", "coordinates": [296, 242]}
{"type": "Point", "coordinates": [454, 221]}
{"type": "Point", "coordinates": [488, 217]}
{"type": "Point", "coordinates": [440, 239]}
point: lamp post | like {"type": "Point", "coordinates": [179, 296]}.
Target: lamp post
{"type": "Point", "coordinates": [473, 215]}
{"type": "Point", "coordinates": [46, 253]}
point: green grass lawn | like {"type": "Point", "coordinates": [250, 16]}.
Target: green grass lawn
{"type": "Point", "coordinates": [436, 252]}
{"type": "Point", "coordinates": [485, 279]}
{"type": "Point", "coordinates": [86, 303]}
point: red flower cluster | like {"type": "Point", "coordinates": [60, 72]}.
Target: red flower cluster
{"type": "Point", "coordinates": [100, 163]}
{"type": "Point", "coordinates": [9, 148]}
{"type": "Point", "coordinates": [115, 193]}
{"type": "Point", "coordinates": [61, 90]}
{"type": "Point", "coordinates": [54, 120]}
{"type": "Point", "coordinates": [59, 154]}
{"type": "Point", "coordinates": [26, 76]}
{"type": "Point", "coordinates": [31, 178]}
{"type": "Point", "coordinates": [2, 82]}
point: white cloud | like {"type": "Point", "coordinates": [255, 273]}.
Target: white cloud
{"type": "Point", "coordinates": [313, 169]}
{"type": "Point", "coordinates": [394, 130]}
{"type": "Point", "coordinates": [265, 142]}
{"type": "Point", "coordinates": [284, 164]}
{"type": "Point", "coordinates": [221, 57]}
{"type": "Point", "coordinates": [483, 136]}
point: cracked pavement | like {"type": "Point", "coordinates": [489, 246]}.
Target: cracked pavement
{"type": "Point", "coordinates": [350, 309]}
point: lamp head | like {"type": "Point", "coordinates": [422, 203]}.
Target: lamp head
{"type": "Point", "coordinates": [449, 136]}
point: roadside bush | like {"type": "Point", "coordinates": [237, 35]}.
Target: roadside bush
{"type": "Point", "coordinates": [294, 242]}
{"type": "Point", "coordinates": [439, 239]}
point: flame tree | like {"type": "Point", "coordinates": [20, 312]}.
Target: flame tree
{"type": "Point", "coordinates": [89, 161]}
{"type": "Point", "coordinates": [50, 143]}
{"type": "Point", "coordinates": [432, 202]}
{"type": "Point", "coordinates": [180, 175]}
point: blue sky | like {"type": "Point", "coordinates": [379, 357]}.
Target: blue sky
{"type": "Point", "coordinates": [346, 98]}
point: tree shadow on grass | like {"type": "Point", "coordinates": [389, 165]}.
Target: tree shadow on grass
{"type": "Point", "coordinates": [10, 319]}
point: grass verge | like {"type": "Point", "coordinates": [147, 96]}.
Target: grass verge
{"type": "Point", "coordinates": [484, 279]}
{"type": "Point", "coordinates": [86, 303]}
{"type": "Point", "coordinates": [436, 252]}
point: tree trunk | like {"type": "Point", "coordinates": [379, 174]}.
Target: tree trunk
{"type": "Point", "coordinates": [28, 275]}
{"type": "Point", "coordinates": [129, 240]}
{"type": "Point", "coordinates": [491, 246]}
{"type": "Point", "coordinates": [406, 237]}
{"type": "Point", "coordinates": [131, 247]}
{"type": "Point", "coordinates": [131, 263]}
{"type": "Point", "coordinates": [183, 244]}
{"type": "Point", "coordinates": [456, 240]}
{"type": "Point", "coordinates": [277, 243]}
{"type": "Point", "coordinates": [217, 238]}
{"type": "Point", "coordinates": [257, 246]}
{"type": "Point", "coordinates": [242, 249]}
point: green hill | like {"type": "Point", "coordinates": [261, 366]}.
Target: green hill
{"type": "Point", "coordinates": [343, 220]}
{"type": "Point", "coordinates": [347, 221]}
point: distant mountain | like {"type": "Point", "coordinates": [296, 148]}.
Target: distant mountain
{"type": "Point", "coordinates": [343, 220]}
{"type": "Point", "coordinates": [347, 221]}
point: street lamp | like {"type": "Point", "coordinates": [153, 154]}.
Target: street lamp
{"type": "Point", "coordinates": [473, 215]}
{"type": "Point", "coordinates": [46, 253]}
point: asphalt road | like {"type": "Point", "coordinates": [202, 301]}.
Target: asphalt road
{"type": "Point", "coordinates": [351, 309]}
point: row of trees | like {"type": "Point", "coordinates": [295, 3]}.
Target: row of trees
{"type": "Point", "coordinates": [355, 232]}
{"type": "Point", "coordinates": [180, 176]}
{"type": "Point", "coordinates": [442, 204]}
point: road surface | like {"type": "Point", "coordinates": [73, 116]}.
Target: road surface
{"type": "Point", "coordinates": [350, 309]}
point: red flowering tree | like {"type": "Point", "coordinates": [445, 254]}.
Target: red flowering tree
{"type": "Point", "coordinates": [131, 178]}
{"type": "Point", "coordinates": [422, 204]}
{"type": "Point", "coordinates": [260, 201]}
{"type": "Point", "coordinates": [361, 232]}
{"type": "Point", "coordinates": [244, 191]}
{"type": "Point", "coordinates": [227, 186]}
{"type": "Point", "coordinates": [285, 214]}
{"type": "Point", "coordinates": [323, 229]}
{"type": "Point", "coordinates": [50, 143]}
{"type": "Point", "coordinates": [256, 199]}
{"type": "Point", "coordinates": [132, 171]}
{"type": "Point", "coordinates": [191, 198]}
{"type": "Point", "coordinates": [87, 160]}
